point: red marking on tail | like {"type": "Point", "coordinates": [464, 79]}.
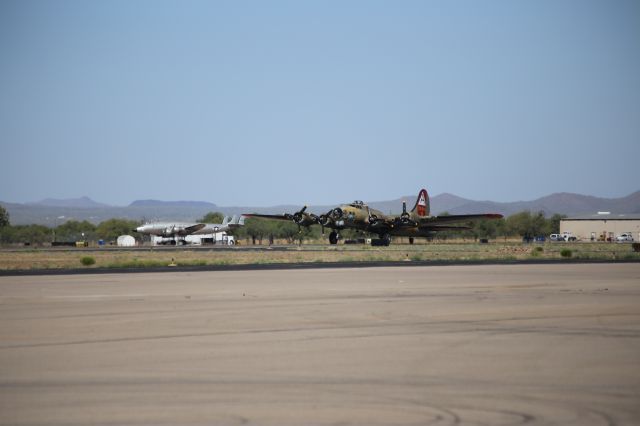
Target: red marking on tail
{"type": "Point", "coordinates": [422, 204]}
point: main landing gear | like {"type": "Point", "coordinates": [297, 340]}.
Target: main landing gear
{"type": "Point", "coordinates": [333, 237]}
{"type": "Point", "coordinates": [384, 240]}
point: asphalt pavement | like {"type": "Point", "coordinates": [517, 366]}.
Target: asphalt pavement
{"type": "Point", "coordinates": [460, 345]}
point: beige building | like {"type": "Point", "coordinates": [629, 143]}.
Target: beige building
{"type": "Point", "coordinates": [602, 226]}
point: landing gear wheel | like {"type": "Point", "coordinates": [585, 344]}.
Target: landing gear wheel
{"type": "Point", "coordinates": [333, 237]}
{"type": "Point", "coordinates": [384, 240]}
{"type": "Point", "coordinates": [410, 240]}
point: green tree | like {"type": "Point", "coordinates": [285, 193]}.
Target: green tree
{"type": "Point", "coordinates": [111, 229]}
{"type": "Point", "coordinates": [211, 217]}
{"type": "Point", "coordinates": [501, 228]}
{"type": "Point", "coordinates": [519, 224]}
{"type": "Point", "coordinates": [255, 229]}
{"type": "Point", "coordinates": [6, 234]}
{"type": "Point", "coordinates": [553, 223]}
{"type": "Point", "coordinates": [305, 234]}
{"type": "Point", "coordinates": [488, 228]}
{"type": "Point", "coordinates": [4, 217]}
{"type": "Point", "coordinates": [33, 234]}
{"type": "Point", "coordinates": [538, 224]}
{"type": "Point", "coordinates": [526, 224]}
{"type": "Point", "coordinates": [293, 233]}
{"type": "Point", "coordinates": [73, 230]}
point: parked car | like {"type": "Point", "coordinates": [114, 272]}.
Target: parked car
{"type": "Point", "coordinates": [556, 237]}
{"type": "Point", "coordinates": [625, 236]}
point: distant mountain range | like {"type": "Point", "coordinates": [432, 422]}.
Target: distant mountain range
{"type": "Point", "coordinates": [82, 203]}
{"type": "Point", "coordinates": [53, 212]}
{"type": "Point", "coordinates": [162, 204]}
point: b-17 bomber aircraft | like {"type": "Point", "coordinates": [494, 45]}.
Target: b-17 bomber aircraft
{"type": "Point", "coordinates": [178, 231]}
{"type": "Point", "coordinates": [357, 215]}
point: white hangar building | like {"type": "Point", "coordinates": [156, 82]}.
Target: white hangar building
{"type": "Point", "coordinates": [603, 226]}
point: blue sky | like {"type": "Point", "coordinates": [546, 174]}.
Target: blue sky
{"type": "Point", "coordinates": [270, 102]}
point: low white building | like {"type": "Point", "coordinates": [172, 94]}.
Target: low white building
{"type": "Point", "coordinates": [603, 226]}
{"type": "Point", "coordinates": [126, 241]}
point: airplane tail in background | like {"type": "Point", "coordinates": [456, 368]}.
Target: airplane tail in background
{"type": "Point", "coordinates": [236, 221]}
{"type": "Point", "coordinates": [225, 220]}
{"type": "Point", "coordinates": [422, 207]}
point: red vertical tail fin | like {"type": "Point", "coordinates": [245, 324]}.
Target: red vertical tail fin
{"type": "Point", "coordinates": [422, 207]}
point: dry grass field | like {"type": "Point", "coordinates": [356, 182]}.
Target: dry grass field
{"type": "Point", "coordinates": [47, 258]}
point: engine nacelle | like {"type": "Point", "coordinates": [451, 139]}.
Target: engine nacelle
{"type": "Point", "coordinates": [336, 213]}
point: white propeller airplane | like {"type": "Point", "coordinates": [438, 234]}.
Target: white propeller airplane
{"type": "Point", "coordinates": [178, 231]}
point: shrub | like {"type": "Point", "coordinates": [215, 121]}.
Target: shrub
{"type": "Point", "coordinates": [566, 253]}
{"type": "Point", "coordinates": [87, 260]}
{"type": "Point", "coordinates": [536, 252]}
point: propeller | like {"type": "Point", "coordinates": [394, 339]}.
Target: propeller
{"type": "Point", "coordinates": [373, 219]}
{"type": "Point", "coordinates": [301, 218]}
{"type": "Point", "coordinates": [405, 217]}
{"type": "Point", "coordinates": [404, 210]}
{"type": "Point", "coordinates": [323, 220]}
{"type": "Point", "coordinates": [329, 218]}
{"type": "Point", "coordinates": [298, 217]}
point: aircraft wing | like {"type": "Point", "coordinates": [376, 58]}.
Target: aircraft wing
{"type": "Point", "coordinates": [438, 220]}
{"type": "Point", "coordinates": [193, 228]}
{"type": "Point", "coordinates": [284, 216]}
{"type": "Point", "coordinates": [300, 218]}
{"type": "Point", "coordinates": [445, 228]}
